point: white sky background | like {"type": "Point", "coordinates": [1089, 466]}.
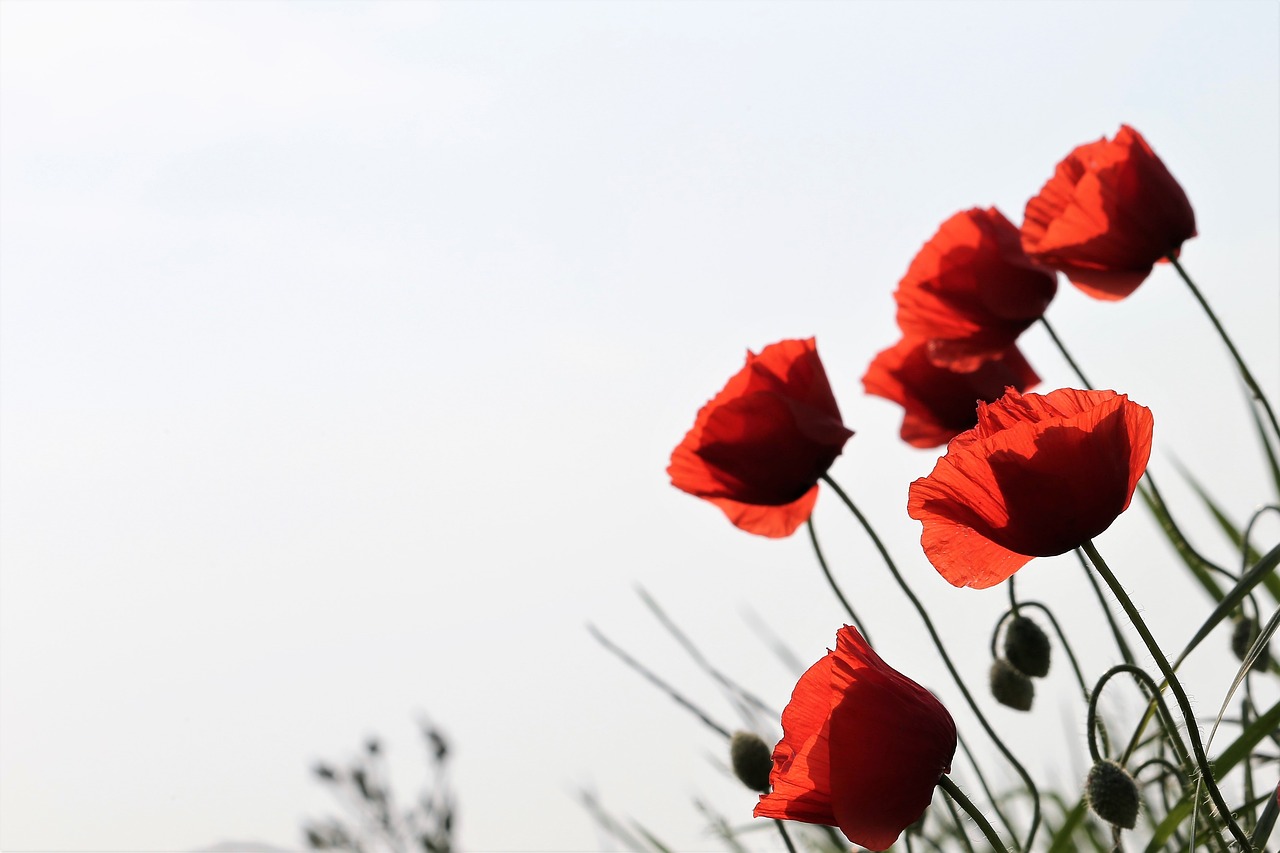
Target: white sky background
{"type": "Point", "coordinates": [344, 346]}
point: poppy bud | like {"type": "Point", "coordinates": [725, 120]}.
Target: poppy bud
{"type": "Point", "coordinates": [1010, 686]}
{"type": "Point", "coordinates": [1242, 638]}
{"type": "Point", "coordinates": [1112, 794]}
{"type": "Point", "coordinates": [1026, 646]}
{"type": "Point", "coordinates": [752, 760]}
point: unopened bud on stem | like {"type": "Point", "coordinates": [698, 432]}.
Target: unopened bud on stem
{"type": "Point", "coordinates": [752, 760]}
{"type": "Point", "coordinates": [1026, 646]}
{"type": "Point", "coordinates": [1010, 686]}
{"type": "Point", "coordinates": [1112, 794]}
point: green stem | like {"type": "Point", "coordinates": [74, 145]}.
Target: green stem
{"type": "Point", "coordinates": [786, 839]}
{"type": "Point", "coordinates": [946, 658]}
{"type": "Point", "coordinates": [986, 789]}
{"type": "Point", "coordinates": [1161, 509]}
{"type": "Point", "coordinates": [657, 682]}
{"type": "Point", "coordinates": [1254, 388]}
{"type": "Point", "coordinates": [959, 822]}
{"type": "Point", "coordinates": [951, 790]}
{"type": "Point", "coordinates": [1125, 652]}
{"type": "Point", "coordinates": [1143, 678]}
{"type": "Point", "coordinates": [1193, 730]}
{"type": "Point", "coordinates": [1062, 349]}
{"type": "Point", "coordinates": [826, 571]}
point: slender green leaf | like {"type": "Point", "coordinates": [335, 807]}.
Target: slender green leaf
{"type": "Point", "coordinates": [1249, 738]}
{"type": "Point", "coordinates": [1234, 533]}
{"type": "Point", "coordinates": [1239, 749]}
{"type": "Point", "coordinates": [1062, 840]}
{"type": "Point", "coordinates": [650, 837]}
{"type": "Point", "coordinates": [1266, 822]}
{"type": "Point", "coordinates": [1273, 463]}
{"type": "Point", "coordinates": [1192, 560]}
{"type": "Point", "coordinates": [1262, 570]}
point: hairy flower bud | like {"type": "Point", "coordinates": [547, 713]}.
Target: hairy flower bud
{"type": "Point", "coordinates": [1026, 646]}
{"type": "Point", "coordinates": [752, 760]}
{"type": "Point", "coordinates": [1242, 638]}
{"type": "Point", "coordinates": [1112, 794]}
{"type": "Point", "coordinates": [1011, 686]}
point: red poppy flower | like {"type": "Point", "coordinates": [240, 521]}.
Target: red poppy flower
{"type": "Point", "coordinates": [972, 290]}
{"type": "Point", "coordinates": [862, 748]}
{"type": "Point", "coordinates": [1108, 214]}
{"type": "Point", "coordinates": [758, 449]}
{"type": "Point", "coordinates": [940, 403]}
{"type": "Point", "coordinates": [1038, 476]}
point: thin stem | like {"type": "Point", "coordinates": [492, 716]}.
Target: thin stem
{"type": "Point", "coordinates": [1193, 730]}
{"type": "Point", "coordinates": [1125, 652]}
{"type": "Point", "coordinates": [737, 694]}
{"type": "Point", "coordinates": [959, 822]}
{"type": "Point", "coordinates": [1057, 341]}
{"type": "Point", "coordinates": [1145, 679]}
{"type": "Point", "coordinates": [951, 790]}
{"type": "Point", "coordinates": [826, 571]}
{"type": "Point", "coordinates": [786, 839]}
{"type": "Point", "coordinates": [1161, 509]}
{"type": "Point", "coordinates": [1254, 387]}
{"type": "Point", "coordinates": [946, 658]}
{"type": "Point", "coordinates": [991, 798]}
{"type": "Point", "coordinates": [658, 683]}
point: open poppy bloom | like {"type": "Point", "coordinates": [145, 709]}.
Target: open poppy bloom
{"type": "Point", "coordinates": [1038, 476]}
{"type": "Point", "coordinates": [1108, 214]}
{"type": "Point", "coordinates": [972, 290]}
{"type": "Point", "coordinates": [862, 748]}
{"type": "Point", "coordinates": [940, 403]}
{"type": "Point", "coordinates": [758, 449]}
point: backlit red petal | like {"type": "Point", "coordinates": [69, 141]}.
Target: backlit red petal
{"type": "Point", "coordinates": [801, 776]}
{"type": "Point", "coordinates": [758, 448]}
{"type": "Point", "coordinates": [1109, 213]}
{"type": "Point", "coordinates": [1038, 476]}
{"type": "Point", "coordinates": [939, 403]}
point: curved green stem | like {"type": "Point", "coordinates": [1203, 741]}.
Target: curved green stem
{"type": "Point", "coordinates": [1145, 678]}
{"type": "Point", "coordinates": [1184, 704]}
{"type": "Point", "coordinates": [951, 790]}
{"type": "Point", "coordinates": [946, 658]}
{"type": "Point", "coordinates": [986, 789]}
{"type": "Point", "coordinates": [826, 571]}
{"type": "Point", "coordinates": [1245, 374]}
{"type": "Point", "coordinates": [959, 822]}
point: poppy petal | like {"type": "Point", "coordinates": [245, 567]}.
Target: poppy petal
{"type": "Point", "coordinates": [938, 403]}
{"type": "Point", "coordinates": [1038, 476]}
{"type": "Point", "coordinates": [971, 290]}
{"type": "Point", "coordinates": [1110, 212]}
{"type": "Point", "coordinates": [863, 747]}
{"type": "Point", "coordinates": [759, 447]}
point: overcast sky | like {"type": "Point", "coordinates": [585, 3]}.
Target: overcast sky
{"type": "Point", "coordinates": [344, 345]}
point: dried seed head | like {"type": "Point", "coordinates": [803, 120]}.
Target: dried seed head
{"type": "Point", "coordinates": [752, 760]}
{"type": "Point", "coordinates": [1026, 646]}
{"type": "Point", "coordinates": [1112, 794]}
{"type": "Point", "coordinates": [1011, 686]}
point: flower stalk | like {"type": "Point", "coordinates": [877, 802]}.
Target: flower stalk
{"type": "Point", "coordinates": [1171, 678]}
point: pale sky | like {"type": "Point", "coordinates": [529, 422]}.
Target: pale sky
{"type": "Point", "coordinates": [344, 345]}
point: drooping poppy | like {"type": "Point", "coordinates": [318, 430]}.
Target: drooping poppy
{"type": "Point", "coordinates": [1108, 214]}
{"type": "Point", "coordinates": [1038, 476]}
{"type": "Point", "coordinates": [939, 403]}
{"type": "Point", "coordinates": [972, 290]}
{"type": "Point", "coordinates": [758, 449]}
{"type": "Point", "coordinates": [862, 748]}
